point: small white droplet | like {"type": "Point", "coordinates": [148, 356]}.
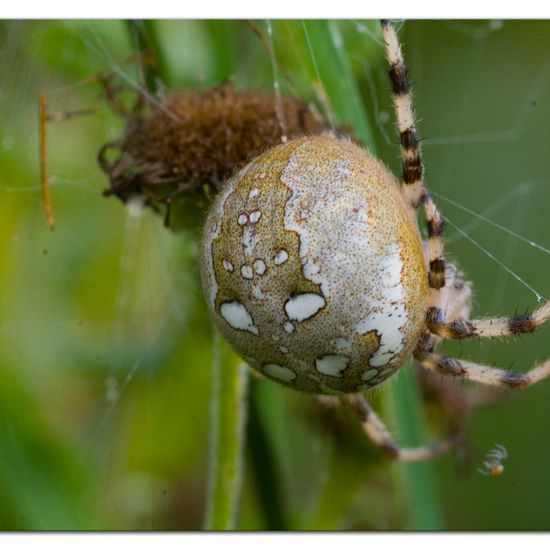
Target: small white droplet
{"type": "Point", "coordinates": [289, 327]}
{"type": "Point", "coordinates": [283, 349]}
{"type": "Point", "coordinates": [259, 267]}
{"type": "Point", "coordinates": [253, 193]}
{"type": "Point", "coordinates": [227, 265]}
{"type": "Point", "coordinates": [243, 219]}
{"type": "Point", "coordinates": [281, 257]}
{"type": "Point", "coordinates": [282, 373]}
{"type": "Point", "coordinates": [246, 272]}
{"type": "Point", "coordinates": [255, 216]}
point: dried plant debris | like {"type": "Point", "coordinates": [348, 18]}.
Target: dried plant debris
{"type": "Point", "coordinates": [194, 139]}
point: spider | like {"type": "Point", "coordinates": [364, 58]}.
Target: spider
{"type": "Point", "coordinates": [314, 270]}
{"type": "Point", "coordinates": [493, 464]}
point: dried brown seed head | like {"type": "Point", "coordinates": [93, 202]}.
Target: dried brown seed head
{"type": "Point", "coordinates": [196, 138]}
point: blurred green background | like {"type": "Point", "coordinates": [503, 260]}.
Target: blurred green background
{"type": "Point", "coordinates": [105, 345]}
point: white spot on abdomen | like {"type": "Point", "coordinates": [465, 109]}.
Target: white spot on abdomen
{"type": "Point", "coordinates": [238, 317]}
{"type": "Point", "coordinates": [227, 265]}
{"type": "Point", "coordinates": [281, 373]}
{"type": "Point", "coordinates": [289, 327]}
{"type": "Point", "coordinates": [249, 241]}
{"type": "Point", "coordinates": [342, 344]}
{"type": "Point", "coordinates": [303, 306]}
{"type": "Point", "coordinates": [388, 309]}
{"type": "Point", "coordinates": [257, 292]}
{"type": "Point", "coordinates": [246, 272]}
{"type": "Point", "coordinates": [368, 374]}
{"type": "Point", "coordinates": [331, 364]}
{"type": "Point", "coordinates": [281, 257]}
{"type": "Point", "coordinates": [255, 216]}
{"type": "Point", "coordinates": [214, 234]}
{"type": "Point", "coordinates": [242, 219]}
{"type": "Point", "coordinates": [259, 267]}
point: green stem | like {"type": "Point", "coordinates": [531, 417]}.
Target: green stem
{"type": "Point", "coordinates": [263, 463]}
{"type": "Point", "coordinates": [144, 37]}
{"type": "Point", "coordinates": [415, 481]}
{"type": "Point", "coordinates": [418, 487]}
{"type": "Point", "coordinates": [228, 417]}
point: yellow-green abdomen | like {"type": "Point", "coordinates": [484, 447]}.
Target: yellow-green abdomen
{"type": "Point", "coordinates": [313, 268]}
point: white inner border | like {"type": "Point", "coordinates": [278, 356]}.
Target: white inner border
{"type": "Point", "coordinates": [239, 9]}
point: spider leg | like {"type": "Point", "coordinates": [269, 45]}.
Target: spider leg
{"type": "Point", "coordinates": [404, 114]}
{"type": "Point", "coordinates": [487, 328]}
{"type": "Point", "coordinates": [502, 450]}
{"type": "Point", "coordinates": [453, 300]}
{"type": "Point", "coordinates": [436, 261]}
{"type": "Point", "coordinates": [381, 437]}
{"type": "Point", "coordinates": [491, 327]}
{"type": "Point", "coordinates": [414, 192]}
{"type": "Point", "coordinates": [495, 456]}
{"type": "Point", "coordinates": [476, 372]}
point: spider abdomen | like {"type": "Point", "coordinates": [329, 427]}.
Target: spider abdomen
{"type": "Point", "coordinates": [313, 268]}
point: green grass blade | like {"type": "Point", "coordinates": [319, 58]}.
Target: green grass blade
{"type": "Point", "coordinates": [228, 416]}
{"type": "Point", "coordinates": [221, 34]}
{"type": "Point", "coordinates": [334, 70]}
{"type": "Point", "coordinates": [262, 461]}
{"type": "Point", "coordinates": [418, 488]}
{"type": "Point", "coordinates": [143, 35]}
